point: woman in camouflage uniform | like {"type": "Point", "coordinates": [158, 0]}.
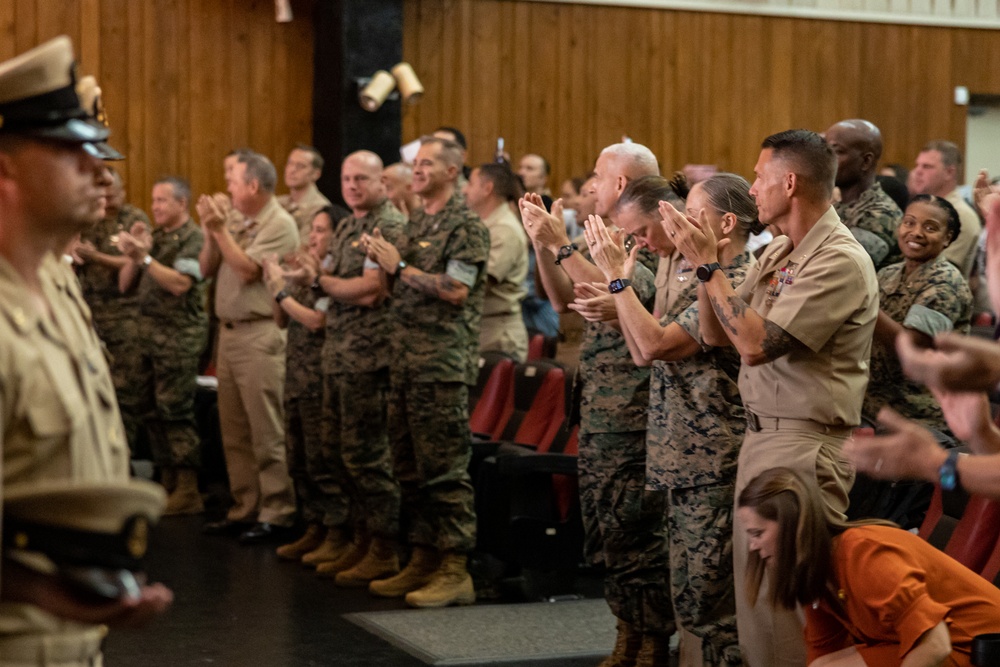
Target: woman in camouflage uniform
{"type": "Point", "coordinates": [696, 418]}
{"type": "Point", "coordinates": [923, 295]}
{"type": "Point", "coordinates": [303, 312]}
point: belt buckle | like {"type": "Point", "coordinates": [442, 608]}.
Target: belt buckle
{"type": "Point", "coordinates": [753, 423]}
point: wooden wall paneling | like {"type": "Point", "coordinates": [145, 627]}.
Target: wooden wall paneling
{"type": "Point", "coordinates": [238, 84]}
{"type": "Point", "coordinates": [208, 121]}
{"type": "Point", "coordinates": [137, 146]}
{"type": "Point", "coordinates": [89, 46]}
{"type": "Point", "coordinates": [180, 134]}
{"type": "Point", "coordinates": [486, 75]}
{"type": "Point", "coordinates": [260, 74]}
{"type": "Point", "coordinates": [58, 18]}
{"type": "Point", "coordinates": [112, 75]}
{"type": "Point", "coordinates": [8, 30]}
{"type": "Point", "coordinates": [26, 25]}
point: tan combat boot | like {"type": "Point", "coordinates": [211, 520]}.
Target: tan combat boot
{"type": "Point", "coordinates": [627, 645]}
{"type": "Point", "coordinates": [654, 652]}
{"type": "Point", "coordinates": [423, 564]}
{"type": "Point", "coordinates": [185, 498]}
{"type": "Point", "coordinates": [380, 561]}
{"type": "Point", "coordinates": [310, 541]}
{"type": "Point", "coordinates": [450, 584]}
{"type": "Point", "coordinates": [333, 546]}
{"type": "Point", "coordinates": [351, 557]}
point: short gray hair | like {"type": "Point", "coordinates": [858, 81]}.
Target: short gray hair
{"type": "Point", "coordinates": [635, 159]}
{"type": "Point", "coordinates": [182, 189]}
{"type": "Point", "coordinates": [451, 151]}
{"type": "Point", "coordinates": [261, 169]}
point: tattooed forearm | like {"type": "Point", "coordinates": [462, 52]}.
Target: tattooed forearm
{"type": "Point", "coordinates": [724, 320]}
{"type": "Point", "coordinates": [777, 342]}
{"type": "Point", "coordinates": [728, 311]}
{"type": "Point", "coordinates": [440, 285]}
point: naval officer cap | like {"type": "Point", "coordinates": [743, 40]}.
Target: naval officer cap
{"type": "Point", "coordinates": [38, 98]}
{"type": "Point", "coordinates": [92, 535]}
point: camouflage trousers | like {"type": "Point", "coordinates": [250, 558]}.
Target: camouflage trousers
{"type": "Point", "coordinates": [168, 375]}
{"type": "Point", "coordinates": [700, 530]}
{"type": "Point", "coordinates": [357, 450]}
{"type": "Point", "coordinates": [431, 447]}
{"type": "Point", "coordinates": [121, 336]}
{"type": "Point", "coordinates": [317, 488]}
{"type": "Point", "coordinates": [625, 529]}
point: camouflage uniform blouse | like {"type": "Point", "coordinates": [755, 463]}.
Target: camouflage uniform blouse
{"type": "Point", "coordinates": [933, 299]}
{"type": "Point", "coordinates": [873, 220]}
{"type": "Point", "coordinates": [614, 392]}
{"type": "Point", "coordinates": [182, 317]}
{"type": "Point", "coordinates": [696, 419]}
{"type": "Point", "coordinates": [304, 350]}
{"type": "Point", "coordinates": [433, 340]}
{"type": "Point", "coordinates": [357, 339]}
{"type": "Point", "coordinates": [100, 283]}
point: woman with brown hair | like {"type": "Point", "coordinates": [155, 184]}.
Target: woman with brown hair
{"type": "Point", "coordinates": [873, 594]}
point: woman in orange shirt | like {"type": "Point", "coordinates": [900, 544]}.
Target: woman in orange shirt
{"type": "Point", "coordinates": [873, 594]}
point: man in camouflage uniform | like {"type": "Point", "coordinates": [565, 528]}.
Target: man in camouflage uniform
{"type": "Point", "coordinates": [355, 376]}
{"type": "Point", "coordinates": [623, 523]}
{"type": "Point", "coordinates": [925, 294]}
{"type": "Point", "coordinates": [173, 328]}
{"type": "Point", "coordinates": [439, 279]}
{"type": "Point", "coordinates": [304, 200]}
{"type": "Point", "coordinates": [870, 214]}
{"type": "Point", "coordinates": [116, 314]}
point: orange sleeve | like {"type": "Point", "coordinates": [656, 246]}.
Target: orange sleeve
{"type": "Point", "coordinates": [887, 593]}
{"type": "Point", "coordinates": [824, 633]}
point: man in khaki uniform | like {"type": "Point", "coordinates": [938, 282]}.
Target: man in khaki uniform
{"type": "Point", "coordinates": [251, 350]}
{"type": "Point", "coordinates": [488, 193]}
{"type": "Point", "coordinates": [804, 340]}
{"type": "Point", "coordinates": [936, 173]}
{"type": "Point", "coordinates": [304, 200]}
{"type": "Point", "coordinates": [59, 422]}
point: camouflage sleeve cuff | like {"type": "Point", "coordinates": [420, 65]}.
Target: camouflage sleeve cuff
{"type": "Point", "coordinates": [875, 246]}
{"type": "Point", "coordinates": [927, 321]}
{"type": "Point", "coordinates": [189, 267]}
{"type": "Point", "coordinates": [463, 272]}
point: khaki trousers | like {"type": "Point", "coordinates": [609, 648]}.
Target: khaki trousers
{"type": "Point", "coordinates": [67, 648]}
{"type": "Point", "coordinates": [772, 637]}
{"type": "Point", "coordinates": [251, 370]}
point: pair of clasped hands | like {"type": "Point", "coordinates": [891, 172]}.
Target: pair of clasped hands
{"type": "Point", "coordinates": [693, 237]}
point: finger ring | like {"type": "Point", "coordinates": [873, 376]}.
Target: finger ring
{"type": "Point", "coordinates": [878, 465]}
{"type": "Point", "coordinates": [673, 233]}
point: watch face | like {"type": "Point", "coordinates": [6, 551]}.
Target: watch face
{"type": "Point", "coordinates": [704, 272]}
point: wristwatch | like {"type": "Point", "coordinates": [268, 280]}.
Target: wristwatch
{"type": "Point", "coordinates": [399, 267]}
{"type": "Point", "coordinates": [948, 472]}
{"type": "Point", "coordinates": [316, 287]}
{"type": "Point", "coordinates": [705, 271]}
{"type": "Point", "coordinates": [147, 260]}
{"type": "Point", "coordinates": [281, 296]}
{"type": "Point", "coordinates": [564, 252]}
{"type": "Point", "coordinates": [618, 284]}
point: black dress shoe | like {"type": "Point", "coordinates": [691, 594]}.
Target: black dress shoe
{"type": "Point", "coordinates": [263, 532]}
{"type": "Point", "coordinates": [225, 527]}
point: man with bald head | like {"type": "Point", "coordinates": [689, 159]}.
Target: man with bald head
{"type": "Point", "coordinates": [624, 526]}
{"type": "Point", "coordinates": [398, 181]}
{"type": "Point", "coordinates": [870, 214]}
{"type": "Point", "coordinates": [362, 528]}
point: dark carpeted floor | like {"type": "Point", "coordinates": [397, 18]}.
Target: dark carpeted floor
{"type": "Point", "coordinates": [238, 606]}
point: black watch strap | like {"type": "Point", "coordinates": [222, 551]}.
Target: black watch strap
{"type": "Point", "coordinates": [281, 296]}
{"type": "Point", "coordinates": [618, 284]}
{"type": "Point", "coordinates": [705, 271]}
{"type": "Point", "coordinates": [316, 287]}
{"type": "Point", "coordinates": [564, 252]}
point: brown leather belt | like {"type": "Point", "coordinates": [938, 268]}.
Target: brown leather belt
{"type": "Point", "coordinates": [757, 423]}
